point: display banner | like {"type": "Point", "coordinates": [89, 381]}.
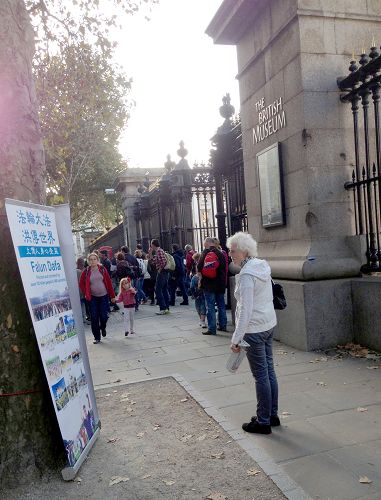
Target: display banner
{"type": "Point", "coordinates": [60, 337]}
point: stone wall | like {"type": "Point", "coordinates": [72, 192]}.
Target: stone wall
{"type": "Point", "coordinates": [295, 50]}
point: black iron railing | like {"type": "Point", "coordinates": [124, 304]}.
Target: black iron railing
{"type": "Point", "coordinates": [363, 81]}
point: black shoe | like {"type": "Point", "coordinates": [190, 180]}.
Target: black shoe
{"type": "Point", "coordinates": [274, 420]}
{"type": "Point", "coordinates": [208, 332]}
{"type": "Point", "coordinates": [255, 428]}
{"type": "Point", "coordinates": [104, 333]}
{"type": "Point", "coordinates": [96, 341]}
{"type": "Point", "coordinates": [184, 303]}
{"type": "Point", "coordinates": [116, 308]}
{"type": "Point", "coordinates": [222, 329]}
{"type": "Point", "coordinates": [172, 304]}
{"type": "Point", "coordinates": [126, 334]}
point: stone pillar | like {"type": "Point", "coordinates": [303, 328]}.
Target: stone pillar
{"type": "Point", "coordinates": [182, 191]}
{"type": "Point", "coordinates": [290, 53]}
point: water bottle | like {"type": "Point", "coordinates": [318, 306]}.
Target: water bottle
{"type": "Point", "coordinates": [236, 358]}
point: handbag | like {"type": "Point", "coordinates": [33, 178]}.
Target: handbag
{"type": "Point", "coordinates": [279, 299]}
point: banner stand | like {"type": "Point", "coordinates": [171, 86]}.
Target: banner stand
{"type": "Point", "coordinates": [63, 220]}
{"type": "Point", "coordinates": [44, 249]}
{"type": "Point", "coordinates": [69, 473]}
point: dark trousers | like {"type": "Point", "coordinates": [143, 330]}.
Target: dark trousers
{"type": "Point", "coordinates": [149, 289]}
{"type": "Point", "coordinates": [99, 307]}
{"type": "Point", "coordinates": [161, 289]}
{"type": "Point", "coordinates": [260, 357]}
{"type": "Point", "coordinates": [175, 283]}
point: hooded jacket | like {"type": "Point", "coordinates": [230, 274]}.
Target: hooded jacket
{"type": "Point", "coordinates": [253, 291]}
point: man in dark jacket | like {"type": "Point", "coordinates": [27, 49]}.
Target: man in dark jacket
{"type": "Point", "coordinates": [214, 288]}
{"type": "Point", "coordinates": [178, 276]}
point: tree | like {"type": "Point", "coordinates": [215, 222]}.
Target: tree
{"type": "Point", "coordinates": [28, 437]}
{"type": "Point", "coordinates": [25, 418]}
{"type": "Point", "coordinates": [83, 109]}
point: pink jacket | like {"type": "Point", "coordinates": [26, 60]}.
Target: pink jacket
{"type": "Point", "coordinates": [127, 297]}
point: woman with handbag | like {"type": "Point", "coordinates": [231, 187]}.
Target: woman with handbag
{"type": "Point", "coordinates": [255, 322]}
{"type": "Point", "coordinates": [95, 284]}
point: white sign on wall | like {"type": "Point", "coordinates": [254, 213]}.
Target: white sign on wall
{"type": "Point", "coordinates": [271, 118]}
{"type": "Point", "coordinates": [64, 356]}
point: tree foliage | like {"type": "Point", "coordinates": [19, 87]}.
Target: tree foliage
{"type": "Point", "coordinates": [83, 99]}
{"type": "Point", "coordinates": [83, 109]}
{"type": "Point", "coordinates": [62, 22]}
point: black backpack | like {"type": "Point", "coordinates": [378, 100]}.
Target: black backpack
{"type": "Point", "coordinates": [279, 299]}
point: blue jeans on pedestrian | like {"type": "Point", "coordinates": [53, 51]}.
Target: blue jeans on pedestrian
{"type": "Point", "coordinates": [140, 295]}
{"type": "Point", "coordinates": [211, 300]}
{"type": "Point", "coordinates": [99, 307]}
{"type": "Point", "coordinates": [161, 289]}
{"type": "Point", "coordinates": [260, 357]}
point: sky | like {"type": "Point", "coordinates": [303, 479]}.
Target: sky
{"type": "Point", "coordinates": [179, 79]}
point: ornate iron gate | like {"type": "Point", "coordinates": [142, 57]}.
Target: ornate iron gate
{"type": "Point", "coordinates": [362, 82]}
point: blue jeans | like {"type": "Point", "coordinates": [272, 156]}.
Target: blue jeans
{"type": "Point", "coordinates": [161, 289]}
{"type": "Point", "coordinates": [140, 295]}
{"type": "Point", "coordinates": [99, 307]}
{"type": "Point", "coordinates": [260, 357]}
{"type": "Point", "coordinates": [211, 300]}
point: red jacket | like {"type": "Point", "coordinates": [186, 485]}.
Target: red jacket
{"type": "Point", "coordinates": [127, 297]}
{"type": "Point", "coordinates": [84, 282]}
{"type": "Point", "coordinates": [190, 263]}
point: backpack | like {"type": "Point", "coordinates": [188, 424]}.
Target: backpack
{"type": "Point", "coordinates": [211, 264]}
{"type": "Point", "coordinates": [279, 299]}
{"type": "Point", "coordinates": [171, 264]}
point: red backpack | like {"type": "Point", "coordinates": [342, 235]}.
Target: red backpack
{"type": "Point", "coordinates": [211, 264]}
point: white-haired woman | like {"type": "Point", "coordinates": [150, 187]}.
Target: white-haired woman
{"type": "Point", "coordinates": [255, 322]}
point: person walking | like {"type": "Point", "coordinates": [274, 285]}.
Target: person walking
{"type": "Point", "coordinates": [140, 294]}
{"type": "Point", "coordinates": [212, 267]}
{"type": "Point", "coordinates": [190, 265]}
{"type": "Point", "coordinates": [157, 255]}
{"type": "Point", "coordinates": [134, 265]}
{"type": "Point", "coordinates": [197, 294]}
{"type": "Point", "coordinates": [95, 284]}
{"type": "Point", "coordinates": [255, 322]}
{"type": "Point", "coordinates": [127, 297]}
{"type": "Point", "coordinates": [178, 277]}
{"type": "Point", "coordinates": [84, 306]}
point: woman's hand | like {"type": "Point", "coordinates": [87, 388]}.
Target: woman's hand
{"type": "Point", "coordinates": [235, 348]}
{"type": "Point", "coordinates": [113, 301]}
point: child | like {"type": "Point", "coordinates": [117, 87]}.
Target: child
{"type": "Point", "coordinates": [127, 296]}
{"type": "Point", "coordinates": [198, 294]}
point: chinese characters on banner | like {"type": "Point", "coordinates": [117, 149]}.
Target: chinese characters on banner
{"type": "Point", "coordinates": [34, 233]}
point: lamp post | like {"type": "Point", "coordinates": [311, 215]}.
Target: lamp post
{"type": "Point", "coordinates": [113, 192]}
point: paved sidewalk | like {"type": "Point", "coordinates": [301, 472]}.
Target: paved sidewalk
{"type": "Point", "coordinates": [330, 408]}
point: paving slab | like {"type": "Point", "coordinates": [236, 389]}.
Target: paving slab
{"type": "Point", "coordinates": [324, 478]}
{"type": "Point", "coordinates": [324, 441]}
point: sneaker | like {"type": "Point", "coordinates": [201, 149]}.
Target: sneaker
{"type": "Point", "coordinates": [126, 334]}
{"type": "Point", "coordinates": [104, 333]}
{"type": "Point", "coordinates": [162, 313]}
{"type": "Point", "coordinates": [167, 311]}
{"type": "Point", "coordinates": [274, 420]}
{"type": "Point", "coordinates": [96, 341]}
{"type": "Point", "coordinates": [255, 428]}
{"type": "Point", "coordinates": [204, 325]}
{"type": "Point", "coordinates": [133, 333]}
{"type": "Point", "coordinates": [208, 332]}
{"type": "Point", "coordinates": [222, 329]}
{"type": "Point", "coordinates": [184, 303]}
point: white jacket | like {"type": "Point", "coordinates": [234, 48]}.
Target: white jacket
{"type": "Point", "coordinates": [253, 291]}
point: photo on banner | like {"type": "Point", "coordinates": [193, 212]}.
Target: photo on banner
{"type": "Point", "coordinates": [35, 239]}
